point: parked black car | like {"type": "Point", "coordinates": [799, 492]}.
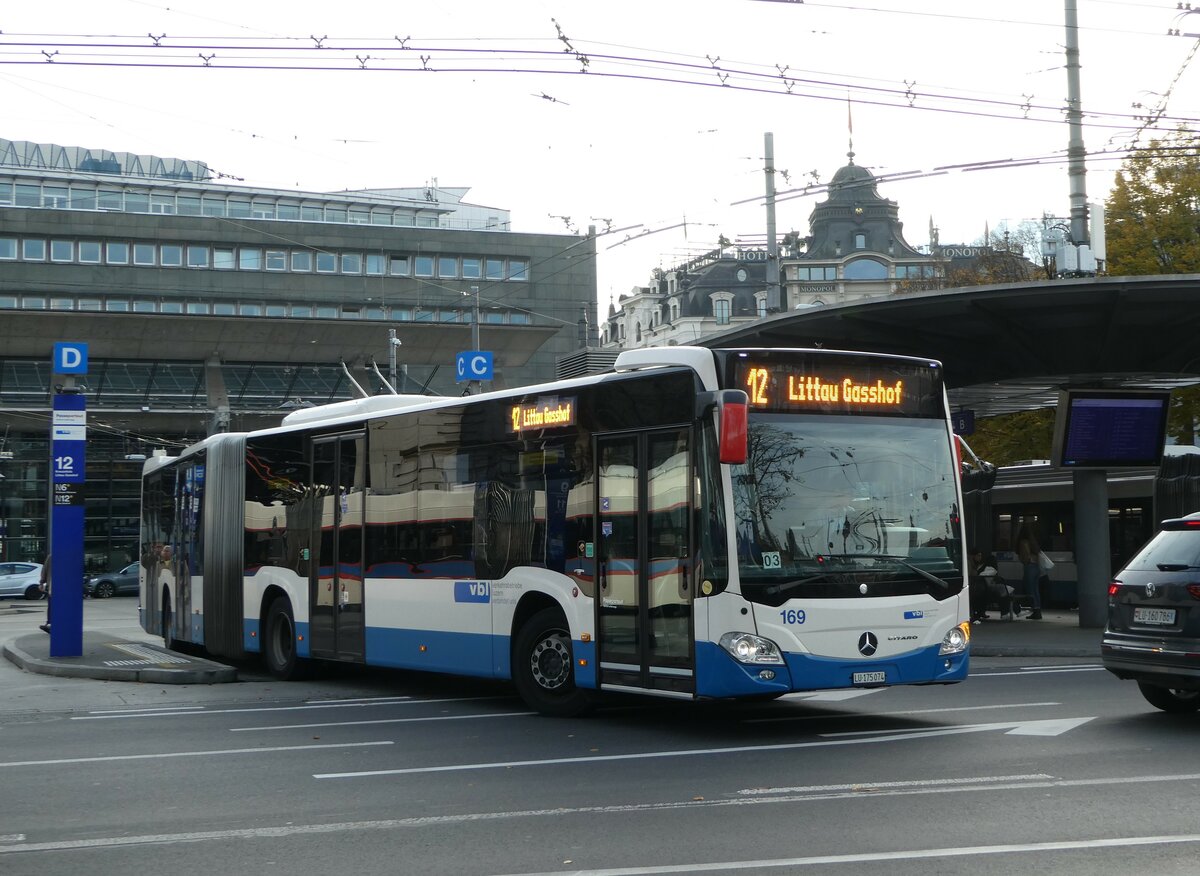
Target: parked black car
{"type": "Point", "coordinates": [1153, 630]}
{"type": "Point", "coordinates": [117, 583]}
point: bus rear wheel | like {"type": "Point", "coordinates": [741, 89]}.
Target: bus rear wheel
{"type": "Point", "coordinates": [543, 666]}
{"type": "Point", "coordinates": [279, 643]}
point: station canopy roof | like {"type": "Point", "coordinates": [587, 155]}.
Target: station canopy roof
{"type": "Point", "coordinates": [1012, 347]}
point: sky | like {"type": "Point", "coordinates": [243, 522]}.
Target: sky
{"type": "Point", "coordinates": [644, 119]}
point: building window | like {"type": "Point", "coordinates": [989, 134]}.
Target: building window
{"type": "Point", "coordinates": [137, 202]}
{"type": "Point", "coordinates": [519, 318]}
{"type": "Point", "coordinates": [62, 303]}
{"type": "Point", "coordinates": [262, 209]}
{"type": "Point", "coordinates": [8, 247]}
{"type": "Point", "coordinates": [375, 264]}
{"type": "Point", "coordinates": [289, 212]}
{"type": "Point", "coordinates": [302, 261]}
{"type": "Point", "coordinates": [447, 267]}
{"type": "Point", "coordinates": [162, 204]}
{"type": "Point", "coordinates": [188, 205]}
{"type": "Point", "coordinates": [816, 273]}
{"type": "Point", "coordinates": [63, 250]}
{"type": "Point", "coordinates": [518, 269]}
{"type": "Point", "coordinates": [472, 268]}
{"type": "Point", "coordinates": [224, 308]}
{"type": "Point", "coordinates": [144, 253]}
{"type": "Point", "coordinates": [398, 266]}
{"type": "Point", "coordinates": [360, 217]}
{"type": "Point", "coordinates": [250, 259]}
{"type": "Point", "coordinates": [92, 304]}
{"type": "Point", "coordinates": [116, 253]}
{"type": "Point", "coordinates": [170, 255]}
{"type": "Point", "coordinates": [55, 197]}
{"type": "Point", "coordinates": [760, 304]}
{"type": "Point", "coordinates": [8, 302]}
{"type": "Point", "coordinates": [351, 263]}
{"type": "Point", "coordinates": [109, 199]}
{"type": "Point", "coordinates": [197, 256]}
{"type": "Point", "coordinates": [721, 309]}
{"type": "Point", "coordinates": [423, 266]}
{"type": "Point", "coordinates": [213, 206]}
{"type": "Point", "coordinates": [33, 302]}
{"type": "Point", "coordinates": [170, 307]}
{"type": "Point", "coordinates": [494, 269]}
{"type": "Point", "coordinates": [276, 260]}
{"type": "Point", "coordinates": [89, 252]}
{"type": "Point", "coordinates": [326, 312]}
{"type": "Point", "coordinates": [866, 269]}
{"type": "Point", "coordinates": [300, 311]}
{"type": "Point", "coordinates": [33, 250]}
{"type": "Point", "coordinates": [374, 313]}
{"type": "Point", "coordinates": [29, 196]}
{"type": "Point", "coordinates": [197, 307]}
{"type": "Point", "coordinates": [326, 263]}
{"type": "Point", "coordinates": [312, 214]}
{"type": "Point", "coordinates": [145, 306]}
{"type": "Point", "coordinates": [860, 241]}
{"type": "Point", "coordinates": [276, 310]}
{"type": "Point", "coordinates": [238, 208]}
{"type": "Point", "coordinates": [250, 309]}
{"type": "Point", "coordinates": [83, 199]}
{"type": "Point", "coordinates": [223, 259]}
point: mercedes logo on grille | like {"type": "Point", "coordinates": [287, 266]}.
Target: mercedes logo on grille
{"type": "Point", "coordinates": [867, 643]}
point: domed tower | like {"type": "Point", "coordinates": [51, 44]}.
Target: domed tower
{"type": "Point", "coordinates": [856, 218]}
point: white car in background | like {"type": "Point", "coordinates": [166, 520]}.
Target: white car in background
{"type": "Point", "coordinates": [21, 579]}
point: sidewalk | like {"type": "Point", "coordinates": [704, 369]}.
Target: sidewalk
{"type": "Point", "coordinates": [1058, 634]}
{"type": "Point", "coordinates": [113, 658]}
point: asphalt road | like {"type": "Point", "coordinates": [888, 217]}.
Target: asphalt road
{"type": "Point", "coordinates": [1045, 765]}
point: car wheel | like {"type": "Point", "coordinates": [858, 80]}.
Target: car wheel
{"type": "Point", "coordinates": [279, 644]}
{"type": "Point", "coordinates": [103, 590]}
{"type": "Point", "coordinates": [1170, 699]}
{"type": "Point", "coordinates": [544, 669]}
{"type": "Point", "coordinates": [35, 591]}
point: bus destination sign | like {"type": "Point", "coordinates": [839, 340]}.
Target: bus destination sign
{"type": "Point", "coordinates": [777, 386]}
{"type": "Point", "coordinates": [545, 413]}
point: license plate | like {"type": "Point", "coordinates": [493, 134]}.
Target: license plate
{"type": "Point", "coordinates": [1161, 616]}
{"type": "Point", "coordinates": [869, 677]}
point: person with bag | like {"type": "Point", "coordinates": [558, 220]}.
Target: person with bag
{"type": "Point", "coordinates": [1028, 551]}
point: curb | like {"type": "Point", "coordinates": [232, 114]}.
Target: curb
{"type": "Point", "coordinates": [203, 672]}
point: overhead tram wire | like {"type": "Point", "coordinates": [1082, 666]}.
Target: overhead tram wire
{"type": "Point", "coordinates": [415, 61]}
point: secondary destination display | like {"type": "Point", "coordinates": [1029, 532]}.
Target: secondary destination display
{"type": "Point", "coordinates": [852, 387]}
{"type": "Point", "coordinates": [545, 413]}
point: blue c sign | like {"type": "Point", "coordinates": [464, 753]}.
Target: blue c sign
{"type": "Point", "coordinates": [473, 365]}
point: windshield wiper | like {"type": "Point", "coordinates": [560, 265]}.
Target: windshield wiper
{"type": "Point", "coordinates": [901, 560]}
{"type": "Point", "coordinates": [772, 589]}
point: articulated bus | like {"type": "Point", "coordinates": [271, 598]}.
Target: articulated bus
{"type": "Point", "coordinates": [695, 523]}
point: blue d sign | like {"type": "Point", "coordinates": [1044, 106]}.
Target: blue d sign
{"type": "Point", "coordinates": [473, 365]}
{"type": "Point", "coordinates": [70, 358]}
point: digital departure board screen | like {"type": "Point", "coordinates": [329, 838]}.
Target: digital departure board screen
{"type": "Point", "coordinates": [1110, 429]}
{"type": "Point", "coordinates": [836, 383]}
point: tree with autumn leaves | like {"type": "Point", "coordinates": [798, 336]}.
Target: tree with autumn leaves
{"type": "Point", "coordinates": [1153, 214]}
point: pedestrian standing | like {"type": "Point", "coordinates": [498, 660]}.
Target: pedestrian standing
{"type": "Point", "coordinates": [1027, 552]}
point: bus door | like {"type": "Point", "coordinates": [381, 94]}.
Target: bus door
{"type": "Point", "coordinates": [645, 625]}
{"type": "Point", "coordinates": [336, 571]}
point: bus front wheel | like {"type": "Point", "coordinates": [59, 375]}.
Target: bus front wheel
{"type": "Point", "coordinates": [279, 644]}
{"type": "Point", "coordinates": [543, 667]}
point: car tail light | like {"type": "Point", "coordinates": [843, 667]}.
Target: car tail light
{"type": "Point", "coordinates": [1114, 588]}
{"type": "Point", "coordinates": [1194, 589]}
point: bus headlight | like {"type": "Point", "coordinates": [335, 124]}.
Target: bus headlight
{"type": "Point", "coordinates": [747, 648]}
{"type": "Point", "coordinates": [956, 641]}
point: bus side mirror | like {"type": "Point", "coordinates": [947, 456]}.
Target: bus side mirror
{"type": "Point", "coordinates": [732, 407]}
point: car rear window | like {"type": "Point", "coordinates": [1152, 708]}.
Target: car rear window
{"type": "Point", "coordinates": [1171, 547]}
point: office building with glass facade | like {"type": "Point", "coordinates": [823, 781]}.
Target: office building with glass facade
{"type": "Point", "coordinates": [212, 306]}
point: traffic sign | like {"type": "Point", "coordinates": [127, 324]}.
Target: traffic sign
{"type": "Point", "coordinates": [964, 422]}
{"type": "Point", "coordinates": [70, 358]}
{"type": "Point", "coordinates": [473, 365]}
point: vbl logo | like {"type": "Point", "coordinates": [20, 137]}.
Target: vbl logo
{"type": "Point", "coordinates": [472, 591]}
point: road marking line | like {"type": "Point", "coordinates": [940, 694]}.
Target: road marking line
{"type": "Point", "coordinates": [149, 714]}
{"type": "Point", "coordinates": [138, 711]}
{"type": "Point", "coordinates": [384, 721]}
{"type": "Point", "coordinates": [828, 740]}
{"type": "Point", "coordinates": [916, 783]}
{"type": "Point", "coordinates": [1037, 672]}
{"type": "Point", "coordinates": [170, 754]}
{"type": "Point", "coordinates": [869, 857]}
{"type": "Point", "coordinates": [834, 715]}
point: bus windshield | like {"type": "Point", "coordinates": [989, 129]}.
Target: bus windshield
{"type": "Point", "coordinates": [823, 510]}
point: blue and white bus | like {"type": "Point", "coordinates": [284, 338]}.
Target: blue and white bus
{"type": "Point", "coordinates": [695, 523]}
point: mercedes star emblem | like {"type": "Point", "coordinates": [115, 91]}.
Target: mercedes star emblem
{"type": "Point", "coordinates": [867, 643]}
